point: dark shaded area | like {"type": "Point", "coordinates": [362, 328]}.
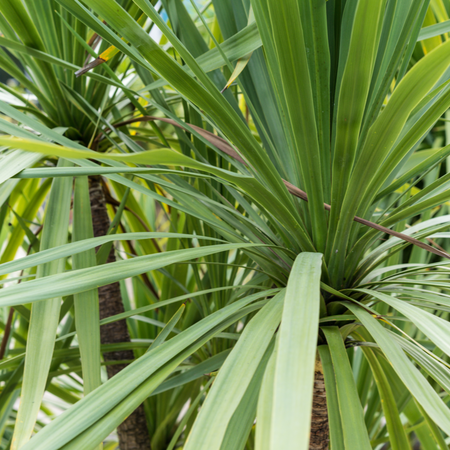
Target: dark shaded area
{"type": "Point", "coordinates": [133, 432]}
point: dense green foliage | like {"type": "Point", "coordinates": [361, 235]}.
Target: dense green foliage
{"type": "Point", "coordinates": [297, 221]}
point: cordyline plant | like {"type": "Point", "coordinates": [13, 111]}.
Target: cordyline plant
{"type": "Point", "coordinates": [305, 208]}
{"type": "Point", "coordinates": [50, 45]}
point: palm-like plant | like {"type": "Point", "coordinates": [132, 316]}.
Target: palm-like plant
{"type": "Point", "coordinates": [340, 101]}
{"type": "Point", "coordinates": [51, 46]}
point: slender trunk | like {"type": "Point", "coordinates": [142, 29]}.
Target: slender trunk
{"type": "Point", "coordinates": [133, 432]}
{"type": "Point", "coordinates": [319, 421]}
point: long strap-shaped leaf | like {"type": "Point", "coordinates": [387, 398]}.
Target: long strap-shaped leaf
{"type": "Point", "coordinates": [352, 417]}
{"type": "Point", "coordinates": [84, 245]}
{"type": "Point", "coordinates": [334, 415]}
{"type": "Point", "coordinates": [296, 97]}
{"type": "Point", "coordinates": [416, 383]}
{"type": "Point", "coordinates": [234, 378]}
{"type": "Point", "coordinates": [94, 406]}
{"type": "Point", "coordinates": [380, 140]}
{"type": "Point", "coordinates": [237, 46]}
{"type": "Point", "coordinates": [296, 354]}
{"type": "Point", "coordinates": [434, 30]}
{"type": "Point", "coordinates": [112, 419]}
{"type": "Point", "coordinates": [353, 93]}
{"type": "Point", "coordinates": [86, 303]}
{"type": "Point", "coordinates": [82, 280]}
{"type": "Point", "coordinates": [206, 96]}
{"type": "Point", "coordinates": [223, 146]}
{"type": "Point", "coordinates": [315, 32]}
{"type": "Point", "coordinates": [241, 423]}
{"type": "Point", "coordinates": [433, 326]}
{"type": "Point", "coordinates": [44, 315]}
{"type": "Point", "coordinates": [397, 435]}
{"type": "Point", "coordinates": [249, 184]}
{"type": "Point", "coordinates": [265, 405]}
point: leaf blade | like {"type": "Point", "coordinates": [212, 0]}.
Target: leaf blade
{"type": "Point", "coordinates": [296, 352]}
{"type": "Point", "coordinates": [353, 426]}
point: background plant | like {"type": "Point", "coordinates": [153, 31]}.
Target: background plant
{"type": "Point", "coordinates": [340, 103]}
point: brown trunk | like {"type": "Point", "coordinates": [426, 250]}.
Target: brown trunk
{"type": "Point", "coordinates": [319, 421]}
{"type": "Point", "coordinates": [133, 433]}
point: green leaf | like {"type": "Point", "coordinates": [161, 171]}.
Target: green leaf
{"type": "Point", "coordinates": [241, 423]}
{"type": "Point", "coordinates": [296, 355]}
{"type": "Point", "coordinates": [44, 316]}
{"type": "Point", "coordinates": [234, 378]}
{"type": "Point", "coordinates": [86, 303]}
{"type": "Point", "coordinates": [53, 172]}
{"type": "Point", "coordinates": [353, 94]}
{"type": "Point", "coordinates": [168, 157]}
{"type": "Point", "coordinates": [380, 140]}
{"type": "Point", "coordinates": [82, 280]}
{"type": "Point", "coordinates": [430, 363]}
{"type": "Point", "coordinates": [397, 435]}
{"type": "Point", "coordinates": [334, 415]}
{"type": "Point", "coordinates": [16, 161]}
{"type": "Point", "coordinates": [151, 367]}
{"type": "Point", "coordinates": [434, 30]}
{"type": "Point", "coordinates": [162, 336]}
{"type": "Point", "coordinates": [416, 383]}
{"type": "Point", "coordinates": [76, 247]}
{"type": "Point", "coordinates": [291, 64]}
{"type": "Point", "coordinates": [265, 405]}
{"type": "Point", "coordinates": [206, 96]}
{"type": "Point", "coordinates": [352, 416]}
{"type": "Point", "coordinates": [436, 328]}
